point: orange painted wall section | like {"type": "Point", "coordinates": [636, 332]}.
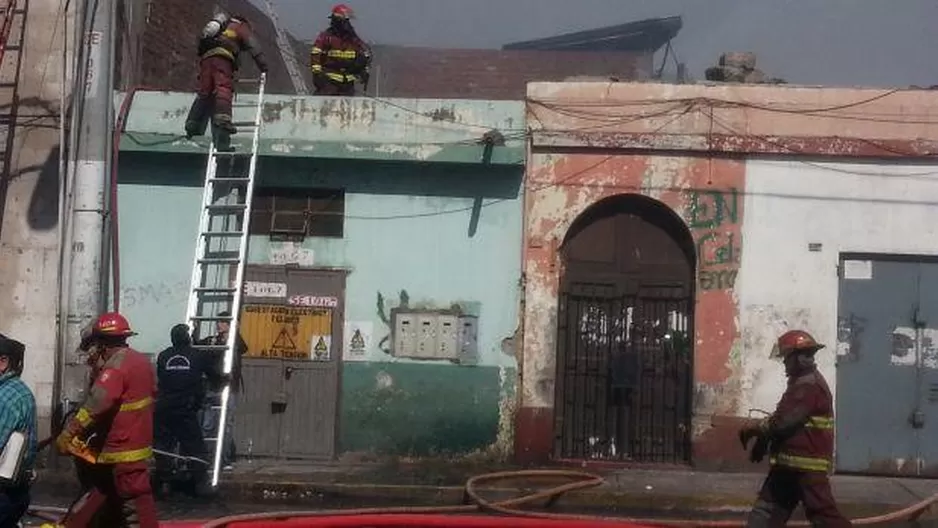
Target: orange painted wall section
{"type": "Point", "coordinates": [706, 193]}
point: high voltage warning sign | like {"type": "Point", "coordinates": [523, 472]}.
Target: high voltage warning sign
{"type": "Point", "coordinates": [321, 349]}
{"type": "Point", "coordinates": [287, 332]}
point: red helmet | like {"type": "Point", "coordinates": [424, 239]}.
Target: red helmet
{"type": "Point", "coordinates": [112, 324]}
{"type": "Point", "coordinates": [343, 11]}
{"type": "Point", "coordinates": [795, 341]}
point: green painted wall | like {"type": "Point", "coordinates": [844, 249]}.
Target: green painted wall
{"type": "Point", "coordinates": [409, 227]}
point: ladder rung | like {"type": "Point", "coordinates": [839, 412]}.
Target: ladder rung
{"type": "Point", "coordinates": [229, 180]}
{"type": "Point", "coordinates": [244, 124]}
{"type": "Point", "coordinates": [227, 207]}
{"type": "Point", "coordinates": [219, 260]}
{"type": "Point", "coordinates": [232, 153]}
{"type": "Point", "coordinates": [250, 80]}
{"type": "Point", "coordinates": [222, 233]}
{"type": "Point", "coordinates": [208, 318]}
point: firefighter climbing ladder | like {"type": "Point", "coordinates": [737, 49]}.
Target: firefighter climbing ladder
{"type": "Point", "coordinates": [221, 247]}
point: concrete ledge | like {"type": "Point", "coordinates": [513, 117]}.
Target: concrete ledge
{"type": "Point", "coordinates": [466, 152]}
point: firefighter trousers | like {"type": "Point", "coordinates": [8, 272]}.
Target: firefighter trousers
{"type": "Point", "coordinates": [213, 97]}
{"type": "Point", "coordinates": [782, 491]}
{"type": "Point", "coordinates": [324, 86]}
{"type": "Point", "coordinates": [120, 492]}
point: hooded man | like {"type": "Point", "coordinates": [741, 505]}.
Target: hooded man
{"type": "Point", "coordinates": [181, 373]}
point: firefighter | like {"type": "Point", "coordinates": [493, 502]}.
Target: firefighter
{"type": "Point", "coordinates": [220, 47]}
{"type": "Point", "coordinates": [799, 438]}
{"type": "Point", "coordinates": [339, 58]}
{"type": "Point", "coordinates": [181, 372]}
{"type": "Point", "coordinates": [113, 430]}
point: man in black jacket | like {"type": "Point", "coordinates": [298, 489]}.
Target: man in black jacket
{"type": "Point", "coordinates": [211, 410]}
{"type": "Point", "coordinates": [181, 373]}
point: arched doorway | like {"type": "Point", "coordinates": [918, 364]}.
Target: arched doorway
{"type": "Point", "coordinates": [625, 335]}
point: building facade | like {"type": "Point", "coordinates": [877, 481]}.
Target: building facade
{"type": "Point", "coordinates": [383, 282]}
{"type": "Point", "coordinates": [671, 233]}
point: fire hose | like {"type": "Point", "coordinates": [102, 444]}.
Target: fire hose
{"type": "Point", "coordinates": [512, 507]}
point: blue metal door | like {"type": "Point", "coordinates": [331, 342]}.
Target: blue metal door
{"type": "Point", "coordinates": [887, 382]}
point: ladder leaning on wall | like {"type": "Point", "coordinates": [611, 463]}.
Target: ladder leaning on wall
{"type": "Point", "coordinates": [221, 252]}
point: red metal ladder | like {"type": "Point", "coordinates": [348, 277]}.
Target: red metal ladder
{"type": "Point", "coordinates": [6, 26]}
{"type": "Point", "coordinates": [12, 39]}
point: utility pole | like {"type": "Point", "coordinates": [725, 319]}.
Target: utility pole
{"type": "Point", "coordinates": [92, 123]}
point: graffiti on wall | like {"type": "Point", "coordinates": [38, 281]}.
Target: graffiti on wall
{"type": "Point", "coordinates": [157, 293]}
{"type": "Point", "coordinates": [713, 217]}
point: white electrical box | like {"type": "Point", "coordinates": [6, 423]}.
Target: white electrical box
{"type": "Point", "coordinates": [448, 346]}
{"type": "Point", "coordinates": [426, 336]}
{"type": "Point", "coordinates": [468, 340]}
{"type": "Point", "coordinates": [405, 334]}
{"type": "Point", "coordinates": [435, 336]}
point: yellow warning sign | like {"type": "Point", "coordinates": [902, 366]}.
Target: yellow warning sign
{"type": "Point", "coordinates": [288, 332]}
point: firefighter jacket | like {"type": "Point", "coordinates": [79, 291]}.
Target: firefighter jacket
{"type": "Point", "coordinates": [802, 427]}
{"type": "Point", "coordinates": [230, 42]}
{"type": "Point", "coordinates": [117, 416]}
{"type": "Point", "coordinates": [340, 59]}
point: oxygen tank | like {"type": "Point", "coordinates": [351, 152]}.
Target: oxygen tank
{"type": "Point", "coordinates": [214, 25]}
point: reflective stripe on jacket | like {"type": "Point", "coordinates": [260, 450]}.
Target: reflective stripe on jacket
{"type": "Point", "coordinates": [117, 416]}
{"type": "Point", "coordinates": [811, 446]}
{"type": "Point", "coordinates": [229, 43]}
{"type": "Point", "coordinates": [340, 59]}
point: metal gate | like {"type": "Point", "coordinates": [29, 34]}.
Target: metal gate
{"type": "Point", "coordinates": [887, 366]}
{"type": "Point", "coordinates": [624, 375]}
{"type": "Point", "coordinates": [292, 322]}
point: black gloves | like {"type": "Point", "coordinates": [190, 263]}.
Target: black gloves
{"type": "Point", "coordinates": [748, 433]}
{"type": "Point", "coordinates": [759, 449]}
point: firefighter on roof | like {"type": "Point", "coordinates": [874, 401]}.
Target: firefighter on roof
{"type": "Point", "coordinates": [113, 430]}
{"type": "Point", "coordinates": [799, 438]}
{"type": "Point", "coordinates": [220, 46]}
{"type": "Point", "coordinates": [339, 58]}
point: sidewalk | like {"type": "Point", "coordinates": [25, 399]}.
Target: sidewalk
{"type": "Point", "coordinates": [626, 491]}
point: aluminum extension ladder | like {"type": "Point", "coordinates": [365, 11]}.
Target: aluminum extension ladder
{"type": "Point", "coordinates": [221, 251]}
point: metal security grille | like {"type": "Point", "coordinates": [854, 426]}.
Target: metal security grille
{"type": "Point", "coordinates": [624, 375]}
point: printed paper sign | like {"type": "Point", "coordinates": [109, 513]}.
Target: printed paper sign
{"type": "Point", "coordinates": [265, 289]}
{"type": "Point", "coordinates": [314, 301]}
{"type": "Point", "coordinates": [357, 337]}
{"type": "Point", "coordinates": [321, 348]}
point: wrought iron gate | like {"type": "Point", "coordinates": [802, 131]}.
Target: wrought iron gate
{"type": "Point", "coordinates": [624, 375]}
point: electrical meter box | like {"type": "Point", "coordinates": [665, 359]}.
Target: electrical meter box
{"type": "Point", "coordinates": [434, 335]}
{"type": "Point", "coordinates": [468, 340]}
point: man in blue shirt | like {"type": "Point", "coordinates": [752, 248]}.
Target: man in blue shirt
{"type": "Point", "coordinates": [17, 414]}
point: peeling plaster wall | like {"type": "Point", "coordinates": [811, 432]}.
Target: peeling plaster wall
{"type": "Point", "coordinates": [707, 194]}
{"type": "Point", "coordinates": [28, 238]}
{"type": "Point", "coordinates": [756, 110]}
{"type": "Point", "coordinates": [297, 125]}
{"type": "Point", "coordinates": [434, 234]}
{"type": "Point", "coordinates": [847, 208]}
{"type": "Point", "coordinates": [752, 221]}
